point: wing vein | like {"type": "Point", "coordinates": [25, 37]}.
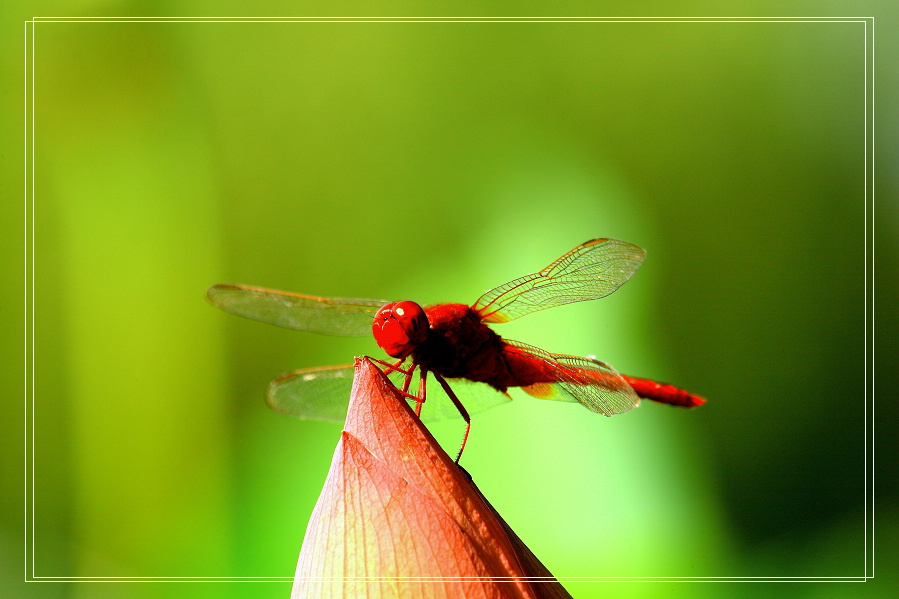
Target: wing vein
{"type": "Point", "coordinates": [590, 271]}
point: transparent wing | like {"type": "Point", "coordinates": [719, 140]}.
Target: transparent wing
{"type": "Point", "coordinates": [590, 271]}
{"type": "Point", "coordinates": [324, 394]}
{"type": "Point", "coordinates": [349, 317]}
{"type": "Point", "coordinates": [591, 383]}
{"type": "Point", "coordinates": [313, 393]}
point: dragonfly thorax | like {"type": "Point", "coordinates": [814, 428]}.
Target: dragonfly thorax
{"type": "Point", "coordinates": [400, 327]}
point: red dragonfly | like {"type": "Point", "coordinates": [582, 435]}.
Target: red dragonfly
{"type": "Point", "coordinates": [453, 341]}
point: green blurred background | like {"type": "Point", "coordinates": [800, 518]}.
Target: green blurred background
{"type": "Point", "coordinates": [432, 161]}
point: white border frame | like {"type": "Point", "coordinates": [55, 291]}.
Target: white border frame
{"type": "Point", "coordinates": [30, 290]}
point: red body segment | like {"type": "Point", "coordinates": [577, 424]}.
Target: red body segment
{"type": "Point", "coordinates": [461, 345]}
{"type": "Point", "coordinates": [664, 393]}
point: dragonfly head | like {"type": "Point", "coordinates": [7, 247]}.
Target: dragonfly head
{"type": "Point", "coordinates": [400, 327]}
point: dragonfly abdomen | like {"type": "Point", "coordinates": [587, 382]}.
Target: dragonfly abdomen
{"type": "Point", "coordinates": [664, 393]}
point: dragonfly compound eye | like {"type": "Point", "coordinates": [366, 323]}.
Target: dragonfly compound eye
{"type": "Point", "coordinates": [412, 318]}
{"type": "Point", "coordinates": [399, 327]}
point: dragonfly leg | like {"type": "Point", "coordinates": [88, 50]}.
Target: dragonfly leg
{"type": "Point", "coordinates": [408, 380]}
{"type": "Point", "coordinates": [422, 383]}
{"type": "Point", "coordinates": [389, 367]}
{"type": "Point", "coordinates": [460, 407]}
{"type": "Point", "coordinates": [418, 399]}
